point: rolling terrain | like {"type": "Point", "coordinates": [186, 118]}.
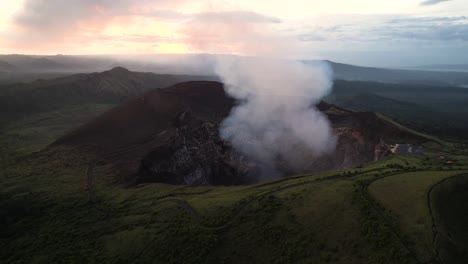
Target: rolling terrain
{"type": "Point", "coordinates": [63, 201]}
{"type": "Point", "coordinates": [443, 67]}
{"type": "Point", "coordinates": [108, 87]}
{"type": "Point", "coordinates": [383, 75]}
{"type": "Point", "coordinates": [78, 200]}
{"type": "Point", "coordinates": [6, 67]}
{"type": "Point", "coordinates": [439, 110]}
{"type": "Point", "coordinates": [30, 67]}
{"type": "Point", "coordinates": [34, 114]}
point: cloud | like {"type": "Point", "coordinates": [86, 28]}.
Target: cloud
{"type": "Point", "coordinates": [50, 26]}
{"type": "Point", "coordinates": [135, 38]}
{"type": "Point", "coordinates": [247, 16]}
{"type": "Point", "coordinates": [59, 15]}
{"type": "Point", "coordinates": [228, 32]}
{"type": "Point", "coordinates": [432, 2]}
{"type": "Point", "coordinates": [450, 32]}
{"type": "Point", "coordinates": [444, 29]}
{"type": "Point", "coordinates": [428, 19]}
{"type": "Point", "coordinates": [244, 16]}
{"type": "Point", "coordinates": [52, 23]}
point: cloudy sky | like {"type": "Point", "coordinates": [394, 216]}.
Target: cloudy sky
{"type": "Point", "coordinates": [364, 32]}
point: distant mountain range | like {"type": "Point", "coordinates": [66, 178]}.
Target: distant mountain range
{"type": "Point", "coordinates": [193, 64]}
{"type": "Point", "coordinates": [416, 105]}
{"type": "Point", "coordinates": [6, 67]}
{"type": "Point", "coordinates": [442, 67]}
{"type": "Point", "coordinates": [400, 76]}
{"type": "Point", "coordinates": [15, 68]}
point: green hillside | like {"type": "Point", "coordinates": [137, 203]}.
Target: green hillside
{"type": "Point", "coordinates": [439, 110]}
{"type": "Point", "coordinates": [59, 205]}
{"type": "Point", "coordinates": [109, 87]}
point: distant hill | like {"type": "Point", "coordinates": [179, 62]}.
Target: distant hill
{"type": "Point", "coordinates": [358, 73]}
{"type": "Point", "coordinates": [113, 86]}
{"type": "Point", "coordinates": [6, 67]}
{"type": "Point", "coordinates": [189, 64]}
{"type": "Point", "coordinates": [440, 110]}
{"type": "Point", "coordinates": [203, 64]}
{"type": "Point", "coordinates": [442, 67]}
{"type": "Point", "coordinates": [416, 105]}
{"type": "Point", "coordinates": [363, 101]}
{"type": "Point", "coordinates": [33, 63]}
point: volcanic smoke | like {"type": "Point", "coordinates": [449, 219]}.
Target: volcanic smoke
{"type": "Point", "coordinates": [276, 117]}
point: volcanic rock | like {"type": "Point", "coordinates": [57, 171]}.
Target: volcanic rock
{"type": "Point", "coordinates": [196, 155]}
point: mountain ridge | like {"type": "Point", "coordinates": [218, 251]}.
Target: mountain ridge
{"type": "Point", "coordinates": [204, 64]}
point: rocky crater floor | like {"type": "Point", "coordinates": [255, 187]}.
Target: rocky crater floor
{"type": "Point", "coordinates": [196, 155]}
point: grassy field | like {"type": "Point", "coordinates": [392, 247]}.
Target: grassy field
{"type": "Point", "coordinates": [54, 208]}
{"type": "Point", "coordinates": [405, 196]}
{"type": "Point", "coordinates": [51, 216]}
{"type": "Point", "coordinates": [450, 221]}
{"type": "Point", "coordinates": [34, 132]}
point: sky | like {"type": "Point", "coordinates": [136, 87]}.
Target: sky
{"type": "Point", "coordinates": [389, 33]}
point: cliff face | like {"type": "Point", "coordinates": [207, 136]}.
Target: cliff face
{"type": "Point", "coordinates": [196, 155]}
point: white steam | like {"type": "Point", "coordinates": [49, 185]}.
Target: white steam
{"type": "Point", "coordinates": [276, 117]}
{"type": "Point", "coordinates": [276, 121]}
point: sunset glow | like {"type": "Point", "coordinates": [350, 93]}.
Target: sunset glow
{"type": "Point", "coordinates": [323, 28]}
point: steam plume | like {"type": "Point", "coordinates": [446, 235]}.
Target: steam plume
{"type": "Point", "coordinates": [276, 121]}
